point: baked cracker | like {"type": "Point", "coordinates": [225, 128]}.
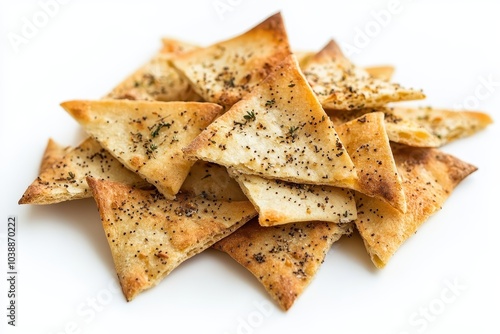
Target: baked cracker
{"type": "Point", "coordinates": [147, 137]}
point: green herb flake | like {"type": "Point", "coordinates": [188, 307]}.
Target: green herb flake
{"type": "Point", "coordinates": [270, 102]}
{"type": "Point", "coordinates": [250, 116]}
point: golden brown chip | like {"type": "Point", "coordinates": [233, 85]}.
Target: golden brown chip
{"type": "Point", "coordinates": [279, 202]}
{"type": "Point", "coordinates": [366, 141]}
{"type": "Point", "coordinates": [149, 236]}
{"type": "Point", "coordinates": [226, 71]}
{"type": "Point", "coordinates": [53, 153]}
{"type": "Point", "coordinates": [340, 85]}
{"type": "Point", "coordinates": [174, 46]}
{"type": "Point", "coordinates": [429, 177]}
{"type": "Point", "coordinates": [444, 125]}
{"type": "Point", "coordinates": [64, 180]}
{"type": "Point", "coordinates": [278, 131]}
{"type": "Point", "coordinates": [380, 72]}
{"type": "Point", "coordinates": [158, 80]}
{"type": "Point", "coordinates": [147, 137]}
{"type": "Point", "coordinates": [212, 181]}
{"type": "Point", "coordinates": [283, 258]}
{"type": "Point", "coordinates": [421, 126]}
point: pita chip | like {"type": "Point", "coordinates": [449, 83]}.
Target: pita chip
{"type": "Point", "coordinates": [380, 72]}
{"type": "Point", "coordinates": [444, 125]}
{"type": "Point", "coordinates": [279, 202]}
{"type": "Point", "coordinates": [278, 131]}
{"type": "Point", "coordinates": [64, 179]}
{"type": "Point", "coordinates": [149, 236]}
{"type": "Point", "coordinates": [53, 152]}
{"type": "Point", "coordinates": [283, 258]}
{"type": "Point", "coordinates": [226, 71]}
{"type": "Point", "coordinates": [146, 137]}
{"type": "Point", "coordinates": [212, 181]}
{"type": "Point", "coordinates": [340, 85]}
{"type": "Point", "coordinates": [158, 80]}
{"type": "Point", "coordinates": [421, 126]}
{"type": "Point", "coordinates": [429, 177]}
{"type": "Point", "coordinates": [173, 46]}
{"type": "Point", "coordinates": [366, 141]}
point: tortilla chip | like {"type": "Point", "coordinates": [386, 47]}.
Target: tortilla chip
{"type": "Point", "coordinates": [212, 181]}
{"type": "Point", "coordinates": [53, 153]}
{"type": "Point", "coordinates": [226, 71]}
{"type": "Point", "coordinates": [278, 133]}
{"type": "Point", "coordinates": [283, 258]}
{"type": "Point", "coordinates": [366, 141]}
{"type": "Point", "coordinates": [64, 180]}
{"type": "Point", "coordinates": [158, 80]}
{"type": "Point", "coordinates": [149, 236]}
{"type": "Point", "coordinates": [279, 202]}
{"type": "Point", "coordinates": [429, 177]}
{"type": "Point", "coordinates": [147, 137]}
{"type": "Point", "coordinates": [340, 85]}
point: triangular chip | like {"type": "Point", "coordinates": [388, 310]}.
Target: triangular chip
{"type": "Point", "coordinates": [224, 72]}
{"type": "Point", "coordinates": [341, 85]}
{"type": "Point", "coordinates": [283, 258]}
{"type": "Point", "coordinates": [64, 179]}
{"type": "Point", "coordinates": [444, 125]}
{"type": "Point", "coordinates": [366, 141]}
{"type": "Point", "coordinates": [53, 152]}
{"type": "Point", "coordinates": [380, 72]}
{"type": "Point", "coordinates": [421, 126]}
{"type": "Point", "coordinates": [158, 80]}
{"type": "Point", "coordinates": [429, 177]}
{"type": "Point", "coordinates": [279, 131]}
{"type": "Point", "coordinates": [174, 46]}
{"type": "Point", "coordinates": [147, 137]}
{"type": "Point", "coordinates": [150, 236]}
{"type": "Point", "coordinates": [280, 202]}
{"type": "Point", "coordinates": [212, 181]}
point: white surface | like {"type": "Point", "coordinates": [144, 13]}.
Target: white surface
{"type": "Point", "coordinates": [66, 276]}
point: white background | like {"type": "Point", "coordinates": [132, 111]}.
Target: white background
{"type": "Point", "coordinates": [66, 275]}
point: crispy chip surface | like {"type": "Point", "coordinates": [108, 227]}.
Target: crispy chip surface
{"type": "Point", "coordinates": [341, 85]}
{"type": "Point", "coordinates": [278, 131]}
{"type": "Point", "coordinates": [225, 72]}
{"type": "Point", "coordinates": [147, 137]}
{"type": "Point", "coordinates": [429, 177]}
{"type": "Point", "coordinates": [283, 258]}
{"type": "Point", "coordinates": [149, 236]}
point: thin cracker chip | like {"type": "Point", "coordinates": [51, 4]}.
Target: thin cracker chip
{"type": "Point", "coordinates": [278, 131]}
{"type": "Point", "coordinates": [283, 258]}
{"type": "Point", "coordinates": [53, 152]}
{"type": "Point", "coordinates": [64, 180]}
{"type": "Point", "coordinates": [149, 236]}
{"type": "Point", "coordinates": [429, 177]}
{"type": "Point", "coordinates": [444, 125]}
{"type": "Point", "coordinates": [341, 85]}
{"type": "Point", "coordinates": [212, 181]}
{"type": "Point", "coordinates": [421, 126]}
{"type": "Point", "coordinates": [279, 202]}
{"type": "Point", "coordinates": [226, 71]}
{"type": "Point", "coordinates": [147, 137]}
{"type": "Point", "coordinates": [158, 80]}
{"type": "Point", "coordinates": [366, 141]}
